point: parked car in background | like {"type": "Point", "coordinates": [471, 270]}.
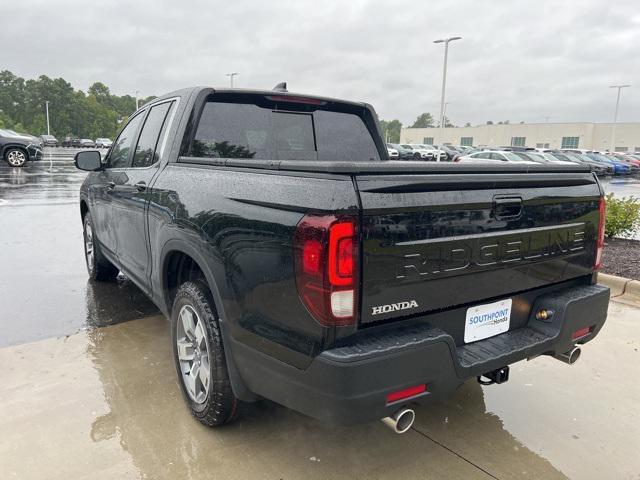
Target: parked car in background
{"type": "Point", "coordinates": [393, 152]}
{"type": "Point", "coordinates": [492, 156]}
{"type": "Point", "coordinates": [542, 157]}
{"type": "Point", "coordinates": [17, 150]}
{"type": "Point", "coordinates": [619, 168]}
{"type": "Point", "coordinates": [599, 168]}
{"type": "Point", "coordinates": [103, 142]}
{"type": "Point", "coordinates": [435, 152]}
{"type": "Point", "coordinates": [87, 143]}
{"type": "Point", "coordinates": [403, 152]}
{"type": "Point", "coordinates": [70, 141]}
{"type": "Point", "coordinates": [624, 157]}
{"type": "Point", "coordinates": [451, 152]}
{"type": "Point", "coordinates": [633, 167]}
{"type": "Point", "coordinates": [49, 141]}
{"type": "Point", "coordinates": [420, 152]}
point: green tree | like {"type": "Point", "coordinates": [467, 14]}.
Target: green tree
{"type": "Point", "coordinates": [467, 124]}
{"type": "Point", "coordinates": [71, 112]}
{"type": "Point", "coordinates": [424, 120]}
{"type": "Point", "coordinates": [391, 130]}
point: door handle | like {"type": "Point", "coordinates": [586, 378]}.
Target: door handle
{"type": "Point", "coordinates": [111, 185]}
{"type": "Point", "coordinates": [141, 186]}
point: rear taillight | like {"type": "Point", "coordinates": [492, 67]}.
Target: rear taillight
{"type": "Point", "coordinates": [326, 263]}
{"type": "Point", "coordinates": [600, 239]}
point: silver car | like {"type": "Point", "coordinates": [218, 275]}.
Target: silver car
{"type": "Point", "coordinates": [103, 142]}
{"type": "Point", "coordinates": [492, 156]}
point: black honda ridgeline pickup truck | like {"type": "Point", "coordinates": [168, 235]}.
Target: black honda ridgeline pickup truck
{"type": "Point", "coordinates": [299, 264]}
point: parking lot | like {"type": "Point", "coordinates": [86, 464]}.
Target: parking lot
{"type": "Point", "coordinates": [89, 390]}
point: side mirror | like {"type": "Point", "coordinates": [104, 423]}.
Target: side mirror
{"type": "Point", "coordinates": [89, 160]}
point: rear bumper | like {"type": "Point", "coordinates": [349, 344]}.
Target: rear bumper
{"type": "Point", "coordinates": [350, 384]}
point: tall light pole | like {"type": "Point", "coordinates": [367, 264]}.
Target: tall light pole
{"type": "Point", "coordinates": [231, 75]}
{"type": "Point", "coordinates": [46, 104]}
{"type": "Point", "coordinates": [137, 105]}
{"type": "Point", "coordinates": [615, 116]}
{"type": "Point", "coordinates": [444, 82]}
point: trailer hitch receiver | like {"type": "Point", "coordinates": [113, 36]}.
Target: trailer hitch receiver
{"type": "Point", "coordinates": [500, 375]}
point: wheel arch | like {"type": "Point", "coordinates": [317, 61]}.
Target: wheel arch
{"type": "Point", "coordinates": [180, 262]}
{"type": "Point", "coordinates": [18, 146]}
{"type": "Point", "coordinates": [84, 209]}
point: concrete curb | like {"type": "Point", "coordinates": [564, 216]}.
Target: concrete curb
{"type": "Point", "coordinates": [622, 289]}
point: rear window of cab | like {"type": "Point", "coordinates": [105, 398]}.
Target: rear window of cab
{"type": "Point", "coordinates": [283, 128]}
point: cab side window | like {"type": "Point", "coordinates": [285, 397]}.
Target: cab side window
{"type": "Point", "coordinates": [147, 150]}
{"type": "Point", "coordinates": [120, 156]}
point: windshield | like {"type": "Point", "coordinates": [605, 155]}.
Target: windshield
{"type": "Point", "coordinates": [265, 130]}
{"type": "Point", "coordinates": [524, 156]}
{"type": "Point", "coordinates": [563, 156]}
{"type": "Point", "coordinates": [597, 157]}
{"type": "Point", "coordinates": [513, 157]}
{"type": "Point", "coordinates": [551, 157]}
{"type": "Point", "coordinates": [539, 157]}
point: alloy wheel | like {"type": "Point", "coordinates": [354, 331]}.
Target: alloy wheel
{"type": "Point", "coordinates": [88, 244]}
{"type": "Point", "coordinates": [193, 353]}
{"type": "Point", "coordinates": [16, 158]}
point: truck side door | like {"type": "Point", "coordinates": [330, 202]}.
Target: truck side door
{"type": "Point", "coordinates": [103, 189]}
{"type": "Point", "coordinates": [131, 197]}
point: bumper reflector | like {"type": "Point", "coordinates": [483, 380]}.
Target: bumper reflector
{"type": "Point", "coordinates": [406, 393]}
{"type": "Point", "coordinates": [580, 333]}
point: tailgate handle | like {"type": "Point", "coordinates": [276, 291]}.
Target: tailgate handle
{"type": "Point", "coordinates": [507, 207]}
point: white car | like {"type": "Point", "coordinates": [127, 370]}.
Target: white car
{"type": "Point", "coordinates": [393, 153]}
{"type": "Point", "coordinates": [103, 142]}
{"type": "Point", "coordinates": [434, 151]}
{"type": "Point", "coordinates": [419, 152]}
{"type": "Point", "coordinates": [492, 156]}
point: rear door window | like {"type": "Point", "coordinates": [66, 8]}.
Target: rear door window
{"type": "Point", "coordinates": [281, 132]}
{"type": "Point", "coordinates": [146, 153]}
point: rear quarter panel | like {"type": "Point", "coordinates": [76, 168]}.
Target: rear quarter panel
{"type": "Point", "coordinates": [240, 223]}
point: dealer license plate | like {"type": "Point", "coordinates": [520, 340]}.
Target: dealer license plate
{"type": "Point", "coordinates": [484, 321]}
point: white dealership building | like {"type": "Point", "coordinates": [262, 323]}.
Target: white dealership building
{"type": "Point", "coordinates": [592, 136]}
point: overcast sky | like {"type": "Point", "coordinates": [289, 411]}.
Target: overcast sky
{"type": "Point", "coordinates": [517, 61]}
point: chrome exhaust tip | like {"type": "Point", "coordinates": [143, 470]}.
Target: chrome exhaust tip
{"type": "Point", "coordinates": [570, 357]}
{"type": "Point", "coordinates": [400, 421]}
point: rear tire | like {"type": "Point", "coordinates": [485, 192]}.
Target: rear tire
{"type": "Point", "coordinates": [199, 356]}
{"type": "Point", "coordinates": [98, 266]}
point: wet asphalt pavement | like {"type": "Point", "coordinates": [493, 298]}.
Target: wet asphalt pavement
{"type": "Point", "coordinates": [86, 393]}
{"type": "Point", "coordinates": [48, 292]}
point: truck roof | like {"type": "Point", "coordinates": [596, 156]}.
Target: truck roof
{"type": "Point", "coordinates": [248, 91]}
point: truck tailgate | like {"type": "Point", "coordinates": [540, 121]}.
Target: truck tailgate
{"type": "Point", "coordinates": [436, 241]}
